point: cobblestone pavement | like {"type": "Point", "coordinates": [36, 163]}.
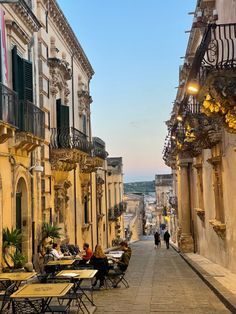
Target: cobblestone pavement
{"type": "Point", "coordinates": [160, 282]}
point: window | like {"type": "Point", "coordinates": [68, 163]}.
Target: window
{"type": "Point", "coordinates": [22, 76]}
{"type": "Point", "coordinates": [86, 214]}
{"type": "Point", "coordinates": [84, 122]}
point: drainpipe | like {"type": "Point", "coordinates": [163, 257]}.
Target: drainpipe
{"type": "Point", "coordinates": [32, 208]}
{"type": "Point", "coordinates": [106, 207]}
{"type": "Point", "coordinates": [96, 199]}
{"type": "Point", "coordinates": [73, 124]}
{"type": "Point", "coordinates": [91, 208]}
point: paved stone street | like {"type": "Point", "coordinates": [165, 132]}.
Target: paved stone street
{"type": "Point", "coordinates": [160, 282]}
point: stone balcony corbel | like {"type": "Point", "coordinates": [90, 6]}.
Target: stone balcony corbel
{"type": "Point", "coordinates": [86, 226]}
{"type": "Point", "coordinates": [201, 213]}
{"type": "Point", "coordinates": [218, 227]}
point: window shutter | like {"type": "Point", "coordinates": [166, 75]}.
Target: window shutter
{"type": "Point", "coordinates": [28, 80]}
{"type": "Point", "coordinates": [63, 119]}
{"type": "Point", "coordinates": [22, 76]}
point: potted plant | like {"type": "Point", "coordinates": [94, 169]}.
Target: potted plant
{"type": "Point", "coordinates": [49, 233]}
{"type": "Point", "coordinates": [12, 255]}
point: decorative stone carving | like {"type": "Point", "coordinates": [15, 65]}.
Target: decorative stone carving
{"type": "Point", "coordinates": [91, 164]}
{"type": "Point", "coordinates": [219, 228]}
{"type": "Point", "coordinates": [100, 183]}
{"type": "Point", "coordinates": [59, 71]}
{"type": "Point", "coordinates": [201, 213]}
{"type": "Point", "coordinates": [27, 16]}
{"type": "Point", "coordinates": [64, 29]}
{"type": "Point", "coordinates": [66, 159]}
{"type": "Point", "coordinates": [61, 197]}
{"type": "Point", "coordinates": [85, 188]}
{"type": "Point", "coordinates": [84, 100]}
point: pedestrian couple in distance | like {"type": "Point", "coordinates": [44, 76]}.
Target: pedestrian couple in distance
{"type": "Point", "coordinates": [157, 239]}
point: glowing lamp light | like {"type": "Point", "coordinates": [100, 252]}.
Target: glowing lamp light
{"type": "Point", "coordinates": [193, 87]}
{"type": "Point", "coordinates": [179, 118]}
{"type": "Point", "coordinates": [173, 137]}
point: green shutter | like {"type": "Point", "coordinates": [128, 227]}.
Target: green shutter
{"type": "Point", "coordinates": [22, 76]}
{"type": "Point", "coordinates": [63, 115]}
{"type": "Point", "coordinates": [28, 80]}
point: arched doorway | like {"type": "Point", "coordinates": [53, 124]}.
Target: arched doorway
{"type": "Point", "coordinates": [21, 214]}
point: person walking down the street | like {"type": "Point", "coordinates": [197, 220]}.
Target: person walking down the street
{"type": "Point", "coordinates": [167, 239]}
{"type": "Point", "coordinates": [157, 239]}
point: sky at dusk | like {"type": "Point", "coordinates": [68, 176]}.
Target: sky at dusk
{"type": "Point", "coordinates": [134, 47]}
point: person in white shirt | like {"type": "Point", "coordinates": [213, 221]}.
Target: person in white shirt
{"type": "Point", "coordinates": [55, 251]}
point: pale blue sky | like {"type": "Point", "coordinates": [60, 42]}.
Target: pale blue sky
{"type": "Point", "coordinates": [134, 47]}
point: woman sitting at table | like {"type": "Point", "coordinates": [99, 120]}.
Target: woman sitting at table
{"type": "Point", "coordinates": [56, 251]}
{"type": "Point", "coordinates": [100, 263]}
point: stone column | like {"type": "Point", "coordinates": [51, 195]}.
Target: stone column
{"type": "Point", "coordinates": [184, 205]}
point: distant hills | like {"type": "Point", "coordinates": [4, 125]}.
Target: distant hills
{"type": "Point", "coordinates": [139, 187]}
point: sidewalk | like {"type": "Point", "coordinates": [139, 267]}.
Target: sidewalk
{"type": "Point", "coordinates": [218, 278]}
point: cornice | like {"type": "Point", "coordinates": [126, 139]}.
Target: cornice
{"type": "Point", "coordinates": [57, 16]}
{"type": "Point", "coordinates": [26, 15]}
{"type": "Point", "coordinates": [13, 26]}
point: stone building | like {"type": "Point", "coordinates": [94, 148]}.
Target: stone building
{"type": "Point", "coordinates": [116, 205]}
{"type": "Point", "coordinates": [133, 216]}
{"type": "Point", "coordinates": [52, 170]}
{"type": "Point", "coordinates": [200, 146]}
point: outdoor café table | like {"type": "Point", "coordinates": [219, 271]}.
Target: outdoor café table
{"type": "Point", "coordinates": [44, 291]}
{"type": "Point", "coordinates": [79, 275]}
{"type": "Point", "coordinates": [61, 262]}
{"type": "Point", "coordinates": [17, 277]}
{"type": "Point", "coordinates": [115, 254]}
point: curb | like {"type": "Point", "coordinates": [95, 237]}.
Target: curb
{"type": "Point", "coordinates": [224, 295]}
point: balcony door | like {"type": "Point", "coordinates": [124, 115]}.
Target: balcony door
{"type": "Point", "coordinates": [63, 125]}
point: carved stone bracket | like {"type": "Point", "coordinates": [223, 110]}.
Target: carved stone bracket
{"type": "Point", "coordinates": [84, 100]}
{"type": "Point", "coordinates": [26, 141]}
{"type": "Point", "coordinates": [85, 227]}
{"type": "Point", "coordinates": [100, 216]}
{"type": "Point", "coordinates": [91, 165]}
{"type": "Point", "coordinates": [66, 159]}
{"type": "Point", "coordinates": [61, 197]}
{"type": "Point", "coordinates": [219, 228]}
{"type": "Point", "coordinates": [100, 183]}
{"type": "Point", "coordinates": [85, 188]}
{"type": "Point", "coordinates": [201, 213]}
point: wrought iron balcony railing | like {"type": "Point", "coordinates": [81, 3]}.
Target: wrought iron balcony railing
{"type": "Point", "coordinates": [217, 50]}
{"type": "Point", "coordinates": [8, 105]}
{"type": "Point", "coordinates": [69, 138]}
{"type": "Point", "coordinates": [111, 214]}
{"type": "Point", "coordinates": [31, 119]}
{"type": "Point", "coordinates": [99, 148]}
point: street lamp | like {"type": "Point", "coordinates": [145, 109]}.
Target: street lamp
{"type": "Point", "coordinates": [193, 87]}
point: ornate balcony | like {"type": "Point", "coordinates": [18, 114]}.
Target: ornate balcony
{"type": "Point", "coordinates": [68, 146]}
{"type": "Point", "coordinates": [30, 132]}
{"type": "Point", "coordinates": [214, 66]}
{"type": "Point", "coordinates": [99, 148]}
{"type": "Point", "coordinates": [8, 113]}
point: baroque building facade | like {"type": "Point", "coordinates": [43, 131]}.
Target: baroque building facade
{"type": "Point", "coordinates": [52, 170]}
{"type": "Point", "coordinates": [200, 145]}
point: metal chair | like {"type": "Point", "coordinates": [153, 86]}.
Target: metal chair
{"type": "Point", "coordinates": [27, 306]}
{"type": "Point", "coordinates": [8, 289]}
{"type": "Point", "coordinates": [117, 277]}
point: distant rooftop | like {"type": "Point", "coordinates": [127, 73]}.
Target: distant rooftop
{"type": "Point", "coordinates": [163, 179]}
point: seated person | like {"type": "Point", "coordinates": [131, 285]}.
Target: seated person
{"type": "Point", "coordinates": [86, 255]}
{"type": "Point", "coordinates": [99, 262]}
{"type": "Point", "coordinates": [124, 247]}
{"type": "Point", "coordinates": [56, 251]}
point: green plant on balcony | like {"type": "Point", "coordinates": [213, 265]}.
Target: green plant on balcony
{"type": "Point", "coordinates": [12, 255]}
